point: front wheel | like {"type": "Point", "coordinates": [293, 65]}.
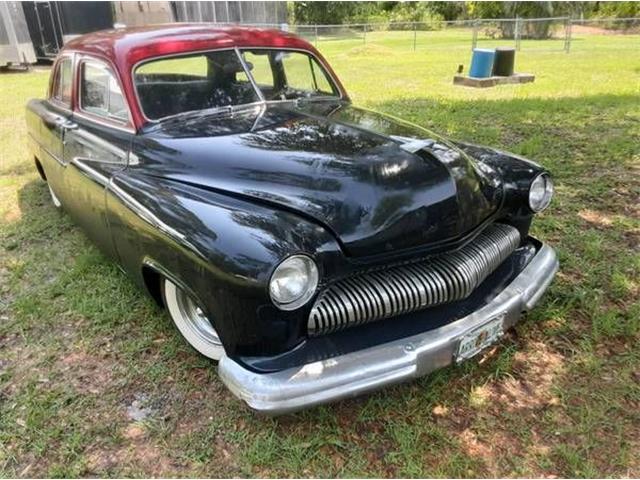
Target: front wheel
{"type": "Point", "coordinates": [191, 321]}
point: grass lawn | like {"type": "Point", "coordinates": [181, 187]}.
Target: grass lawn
{"type": "Point", "coordinates": [82, 351]}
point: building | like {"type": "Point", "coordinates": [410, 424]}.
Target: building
{"type": "Point", "coordinates": [15, 44]}
{"type": "Point", "coordinates": [51, 24]}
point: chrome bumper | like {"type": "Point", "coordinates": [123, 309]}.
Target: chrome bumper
{"type": "Point", "coordinates": [366, 370]}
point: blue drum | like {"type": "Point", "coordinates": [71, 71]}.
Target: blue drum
{"type": "Point", "coordinates": [482, 62]}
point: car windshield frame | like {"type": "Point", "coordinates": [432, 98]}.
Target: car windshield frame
{"type": "Point", "coordinates": [261, 100]}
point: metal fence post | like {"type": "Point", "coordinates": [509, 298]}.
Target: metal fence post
{"type": "Point", "coordinates": [474, 37]}
{"type": "Point", "coordinates": [364, 37]}
{"type": "Point", "coordinates": [517, 35]}
{"type": "Point", "coordinates": [567, 35]}
{"type": "Point", "coordinates": [415, 30]}
{"type": "Point", "coordinates": [315, 43]}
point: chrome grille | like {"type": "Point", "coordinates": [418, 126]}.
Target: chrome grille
{"type": "Point", "coordinates": [406, 288]}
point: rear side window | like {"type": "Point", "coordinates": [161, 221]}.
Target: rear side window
{"type": "Point", "coordinates": [62, 82]}
{"type": "Point", "coordinates": [100, 93]}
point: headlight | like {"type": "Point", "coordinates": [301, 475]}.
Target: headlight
{"type": "Point", "coordinates": [540, 192]}
{"type": "Point", "coordinates": [293, 282]}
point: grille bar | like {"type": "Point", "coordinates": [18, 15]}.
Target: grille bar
{"type": "Point", "coordinates": [406, 288]}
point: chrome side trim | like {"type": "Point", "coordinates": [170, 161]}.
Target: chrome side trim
{"type": "Point", "coordinates": [410, 287]}
{"type": "Point", "coordinates": [367, 370]}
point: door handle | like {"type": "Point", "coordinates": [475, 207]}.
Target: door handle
{"type": "Point", "coordinates": [52, 120]}
{"type": "Point", "coordinates": [66, 127]}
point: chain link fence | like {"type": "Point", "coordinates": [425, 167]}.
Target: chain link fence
{"type": "Point", "coordinates": [544, 34]}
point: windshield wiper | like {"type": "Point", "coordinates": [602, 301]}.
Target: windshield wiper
{"type": "Point", "coordinates": [207, 111]}
{"type": "Point", "coordinates": [190, 113]}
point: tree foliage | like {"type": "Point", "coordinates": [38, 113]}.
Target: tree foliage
{"type": "Point", "coordinates": [617, 9]}
{"type": "Point", "coordinates": [357, 12]}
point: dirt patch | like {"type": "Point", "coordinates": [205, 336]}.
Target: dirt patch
{"type": "Point", "coordinates": [370, 50]}
{"type": "Point", "coordinates": [530, 386]}
{"type": "Point", "coordinates": [588, 30]}
{"type": "Point", "coordinates": [138, 454]}
{"type": "Point", "coordinates": [86, 373]}
{"type": "Point", "coordinates": [596, 218]}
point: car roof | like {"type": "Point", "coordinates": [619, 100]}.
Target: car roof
{"type": "Point", "coordinates": [127, 46]}
{"type": "Point", "coordinates": [123, 48]}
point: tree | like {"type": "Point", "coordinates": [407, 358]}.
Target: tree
{"type": "Point", "coordinates": [618, 9]}
{"type": "Point", "coordinates": [329, 13]}
{"type": "Point", "coordinates": [536, 30]}
{"type": "Point", "coordinates": [447, 10]}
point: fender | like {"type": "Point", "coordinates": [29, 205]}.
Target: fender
{"type": "Point", "coordinates": [516, 172]}
{"type": "Point", "coordinates": [224, 249]}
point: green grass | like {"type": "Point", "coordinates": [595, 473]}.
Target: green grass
{"type": "Point", "coordinates": [79, 343]}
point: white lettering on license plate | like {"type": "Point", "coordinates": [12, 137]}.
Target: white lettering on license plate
{"type": "Point", "coordinates": [480, 338]}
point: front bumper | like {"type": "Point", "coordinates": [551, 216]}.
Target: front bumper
{"type": "Point", "coordinates": [367, 370]}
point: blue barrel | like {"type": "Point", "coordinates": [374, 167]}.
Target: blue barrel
{"type": "Point", "coordinates": [481, 63]}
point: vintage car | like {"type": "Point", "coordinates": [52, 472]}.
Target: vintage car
{"type": "Point", "coordinates": [315, 249]}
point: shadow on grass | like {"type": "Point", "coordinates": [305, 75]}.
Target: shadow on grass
{"type": "Point", "coordinates": [565, 128]}
{"type": "Point", "coordinates": [91, 284]}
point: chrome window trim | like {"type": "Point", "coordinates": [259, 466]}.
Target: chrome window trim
{"type": "Point", "coordinates": [247, 72]}
{"type": "Point", "coordinates": [126, 126]}
{"type": "Point", "coordinates": [251, 79]}
{"type": "Point", "coordinates": [96, 119]}
{"type": "Point", "coordinates": [57, 102]}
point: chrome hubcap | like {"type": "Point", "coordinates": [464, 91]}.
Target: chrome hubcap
{"type": "Point", "coordinates": [196, 319]}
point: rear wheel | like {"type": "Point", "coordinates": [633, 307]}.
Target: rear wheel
{"type": "Point", "coordinates": [191, 321]}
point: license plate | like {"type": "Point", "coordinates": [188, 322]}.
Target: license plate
{"type": "Point", "coordinates": [480, 338]}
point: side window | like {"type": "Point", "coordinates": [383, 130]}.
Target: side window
{"type": "Point", "coordinates": [298, 71]}
{"type": "Point", "coordinates": [260, 67]}
{"type": "Point", "coordinates": [321, 81]}
{"type": "Point", "coordinates": [288, 74]}
{"type": "Point", "coordinates": [63, 81]}
{"type": "Point", "coordinates": [303, 73]}
{"type": "Point", "coordinates": [100, 93]}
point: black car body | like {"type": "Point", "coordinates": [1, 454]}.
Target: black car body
{"type": "Point", "coordinates": [408, 235]}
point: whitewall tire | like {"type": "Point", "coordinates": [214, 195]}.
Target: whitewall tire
{"type": "Point", "coordinates": [54, 197]}
{"type": "Point", "coordinates": [191, 321]}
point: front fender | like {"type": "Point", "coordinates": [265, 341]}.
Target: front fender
{"type": "Point", "coordinates": [516, 172]}
{"type": "Point", "coordinates": [223, 248]}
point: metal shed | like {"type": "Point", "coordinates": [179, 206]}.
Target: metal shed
{"type": "Point", "coordinates": [256, 13]}
{"type": "Point", "coordinates": [51, 24]}
{"type": "Point", "coordinates": [15, 43]}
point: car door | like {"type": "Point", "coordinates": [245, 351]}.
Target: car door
{"type": "Point", "coordinates": [96, 146]}
{"type": "Point", "coordinates": [55, 115]}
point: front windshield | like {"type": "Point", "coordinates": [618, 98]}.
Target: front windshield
{"type": "Point", "coordinates": [209, 80]}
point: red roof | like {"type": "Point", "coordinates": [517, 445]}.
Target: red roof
{"type": "Point", "coordinates": [125, 47]}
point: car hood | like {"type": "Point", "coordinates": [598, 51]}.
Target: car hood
{"type": "Point", "coordinates": [377, 183]}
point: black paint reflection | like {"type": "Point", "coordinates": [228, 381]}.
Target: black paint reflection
{"type": "Point", "coordinates": [340, 166]}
